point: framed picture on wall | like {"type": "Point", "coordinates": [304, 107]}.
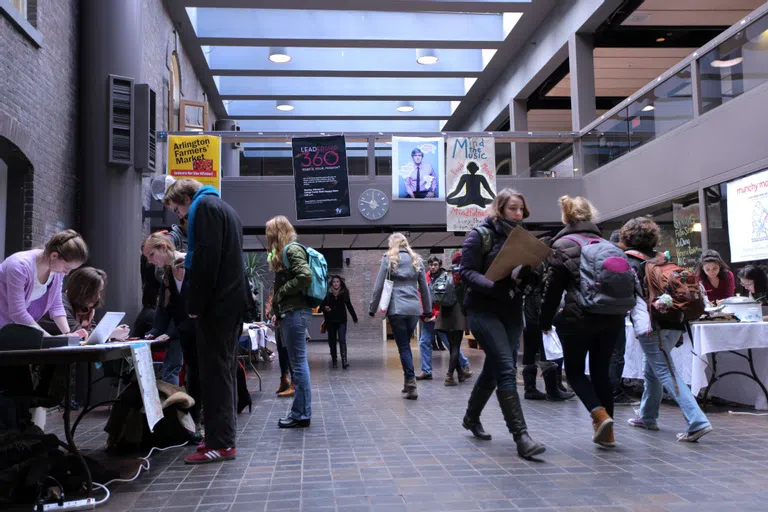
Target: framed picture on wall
{"type": "Point", "coordinates": [193, 116]}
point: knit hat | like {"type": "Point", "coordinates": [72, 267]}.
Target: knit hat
{"type": "Point", "coordinates": [456, 258]}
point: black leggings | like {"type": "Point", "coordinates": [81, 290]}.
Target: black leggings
{"type": "Point", "coordinates": [596, 390]}
{"type": "Point", "coordinates": [533, 343]}
{"type": "Point", "coordinates": [454, 341]}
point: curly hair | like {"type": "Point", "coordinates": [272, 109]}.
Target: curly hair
{"type": "Point", "coordinates": [577, 209]}
{"type": "Point", "coordinates": [640, 233]}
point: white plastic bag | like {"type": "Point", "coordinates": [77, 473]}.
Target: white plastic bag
{"type": "Point", "coordinates": [553, 349]}
{"type": "Point", "coordinates": [386, 295]}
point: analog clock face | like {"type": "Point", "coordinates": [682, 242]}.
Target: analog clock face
{"type": "Point", "coordinates": [373, 204]}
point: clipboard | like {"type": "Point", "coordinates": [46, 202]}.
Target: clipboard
{"type": "Point", "coordinates": [520, 248]}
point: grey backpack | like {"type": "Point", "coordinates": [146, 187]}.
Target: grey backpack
{"type": "Point", "coordinates": [606, 281]}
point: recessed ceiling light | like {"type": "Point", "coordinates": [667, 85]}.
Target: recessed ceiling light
{"type": "Point", "coordinates": [284, 106]}
{"type": "Point", "coordinates": [426, 57]}
{"type": "Point", "coordinates": [661, 39]}
{"type": "Point", "coordinates": [279, 55]}
{"type": "Point", "coordinates": [405, 106]}
{"type": "Point", "coordinates": [727, 63]}
{"type": "Point", "coordinates": [648, 108]}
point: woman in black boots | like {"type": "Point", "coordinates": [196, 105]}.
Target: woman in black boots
{"type": "Point", "coordinates": [453, 322]}
{"type": "Point", "coordinates": [495, 311]}
{"type": "Point", "coordinates": [334, 308]}
{"type": "Point", "coordinates": [533, 343]}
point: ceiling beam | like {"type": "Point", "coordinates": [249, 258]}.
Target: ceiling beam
{"type": "Point", "coordinates": [564, 102]}
{"type": "Point", "coordinates": [346, 74]}
{"type": "Point", "coordinates": [349, 43]}
{"type": "Point", "coordinates": [657, 37]}
{"type": "Point", "coordinates": [472, 6]}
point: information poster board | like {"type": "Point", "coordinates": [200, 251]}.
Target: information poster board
{"type": "Point", "coordinates": [687, 223]}
{"type": "Point", "coordinates": [320, 177]}
{"type": "Point", "coordinates": [418, 168]}
{"type": "Point", "coordinates": [748, 217]}
{"type": "Point", "coordinates": [197, 157]}
{"type": "Point", "coordinates": [145, 374]}
{"type": "Point", "coordinates": [470, 181]}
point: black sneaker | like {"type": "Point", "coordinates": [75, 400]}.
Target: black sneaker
{"type": "Point", "coordinates": [623, 399]}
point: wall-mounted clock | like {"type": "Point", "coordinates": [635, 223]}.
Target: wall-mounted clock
{"type": "Point", "coordinates": [373, 204]}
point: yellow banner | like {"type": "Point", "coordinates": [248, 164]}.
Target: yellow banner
{"type": "Point", "coordinates": [197, 157]}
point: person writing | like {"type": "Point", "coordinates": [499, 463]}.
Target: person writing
{"type": "Point", "coordinates": [715, 276]}
{"type": "Point", "coordinates": [31, 282]}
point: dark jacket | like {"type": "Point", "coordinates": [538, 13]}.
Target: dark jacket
{"type": "Point", "coordinates": [482, 294]}
{"type": "Point", "coordinates": [216, 279]}
{"type": "Point", "coordinates": [339, 305]}
{"type": "Point", "coordinates": [291, 283]}
{"type": "Point", "coordinates": [172, 307]}
{"type": "Point", "coordinates": [563, 275]}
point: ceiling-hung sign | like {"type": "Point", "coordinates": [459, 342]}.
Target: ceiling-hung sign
{"type": "Point", "coordinates": [197, 157]}
{"type": "Point", "coordinates": [470, 181]}
{"type": "Point", "coordinates": [320, 177]}
{"type": "Point", "coordinates": [418, 168]}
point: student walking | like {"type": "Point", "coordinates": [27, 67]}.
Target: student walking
{"type": "Point", "coordinates": [658, 334]}
{"type": "Point", "coordinates": [410, 299]}
{"type": "Point", "coordinates": [594, 311]}
{"type": "Point", "coordinates": [495, 312]}
{"type": "Point", "coordinates": [334, 308]}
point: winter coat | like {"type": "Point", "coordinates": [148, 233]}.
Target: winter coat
{"type": "Point", "coordinates": [563, 275]}
{"type": "Point", "coordinates": [482, 294]}
{"type": "Point", "coordinates": [339, 305]}
{"type": "Point", "coordinates": [452, 318]}
{"type": "Point", "coordinates": [291, 283]}
{"type": "Point", "coordinates": [410, 292]}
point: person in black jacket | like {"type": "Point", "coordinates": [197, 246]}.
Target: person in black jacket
{"type": "Point", "coordinates": [217, 298]}
{"type": "Point", "coordinates": [495, 311]}
{"type": "Point", "coordinates": [334, 308]}
{"type": "Point", "coordinates": [171, 315]}
{"type": "Point", "coordinates": [581, 332]}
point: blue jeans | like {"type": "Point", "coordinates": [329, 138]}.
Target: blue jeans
{"type": "Point", "coordinates": [499, 336]}
{"type": "Point", "coordinates": [403, 327]}
{"type": "Point", "coordinates": [174, 359]}
{"type": "Point", "coordinates": [293, 327]}
{"type": "Point", "coordinates": [660, 373]}
{"type": "Point", "coordinates": [425, 346]}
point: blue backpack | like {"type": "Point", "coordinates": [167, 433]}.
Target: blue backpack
{"type": "Point", "coordinates": [318, 288]}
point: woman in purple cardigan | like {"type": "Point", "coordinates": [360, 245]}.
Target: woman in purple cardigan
{"type": "Point", "coordinates": [31, 281]}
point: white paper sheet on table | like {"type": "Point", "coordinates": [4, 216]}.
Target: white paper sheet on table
{"type": "Point", "coordinates": [145, 374]}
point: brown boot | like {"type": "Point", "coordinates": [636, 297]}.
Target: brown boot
{"type": "Point", "coordinates": [288, 392]}
{"type": "Point", "coordinates": [450, 381]}
{"type": "Point", "coordinates": [410, 390]}
{"type": "Point", "coordinates": [285, 383]}
{"type": "Point", "coordinates": [603, 428]}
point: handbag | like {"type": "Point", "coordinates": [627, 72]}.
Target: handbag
{"type": "Point", "coordinates": [386, 293]}
{"type": "Point", "coordinates": [553, 349]}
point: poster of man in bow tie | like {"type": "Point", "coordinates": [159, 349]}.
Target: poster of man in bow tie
{"type": "Point", "coordinates": [418, 166]}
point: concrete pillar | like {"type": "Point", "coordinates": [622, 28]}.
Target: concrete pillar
{"type": "Point", "coordinates": [518, 122]}
{"type": "Point", "coordinates": [110, 34]}
{"type": "Point", "coordinates": [230, 153]}
{"type": "Point", "coordinates": [583, 110]}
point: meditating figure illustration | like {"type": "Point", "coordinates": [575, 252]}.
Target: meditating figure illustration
{"type": "Point", "coordinates": [473, 195]}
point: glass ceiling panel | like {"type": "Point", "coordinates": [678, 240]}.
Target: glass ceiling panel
{"type": "Point", "coordinates": [336, 126]}
{"type": "Point", "coordinates": [330, 109]}
{"type": "Point", "coordinates": [342, 25]}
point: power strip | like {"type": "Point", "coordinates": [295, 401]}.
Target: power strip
{"type": "Point", "coordinates": [86, 504]}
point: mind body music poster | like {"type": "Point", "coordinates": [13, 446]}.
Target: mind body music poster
{"type": "Point", "coordinates": [470, 181]}
{"type": "Point", "coordinates": [320, 176]}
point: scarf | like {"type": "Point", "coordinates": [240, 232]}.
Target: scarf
{"type": "Point", "coordinates": [508, 225]}
{"type": "Point", "coordinates": [207, 190]}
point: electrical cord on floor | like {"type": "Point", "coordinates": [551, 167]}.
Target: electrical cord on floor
{"type": "Point", "coordinates": [748, 413]}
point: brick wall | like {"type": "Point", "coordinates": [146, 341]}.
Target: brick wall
{"type": "Point", "coordinates": [38, 88]}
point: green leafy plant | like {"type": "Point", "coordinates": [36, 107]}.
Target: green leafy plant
{"type": "Point", "coordinates": [256, 271]}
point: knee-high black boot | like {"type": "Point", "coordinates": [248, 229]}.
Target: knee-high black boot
{"type": "Point", "coordinates": [343, 347]}
{"type": "Point", "coordinates": [509, 401]}
{"type": "Point", "coordinates": [475, 406]}
{"type": "Point", "coordinates": [529, 380]}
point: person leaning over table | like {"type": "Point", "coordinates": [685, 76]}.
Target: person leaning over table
{"type": "Point", "coordinates": [717, 279]}
{"type": "Point", "coordinates": [30, 286]}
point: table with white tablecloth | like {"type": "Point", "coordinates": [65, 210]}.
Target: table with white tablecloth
{"type": "Point", "coordinates": [694, 360]}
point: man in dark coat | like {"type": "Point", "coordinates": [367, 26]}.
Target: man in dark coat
{"type": "Point", "coordinates": [218, 298]}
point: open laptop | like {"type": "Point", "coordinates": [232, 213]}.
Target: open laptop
{"type": "Point", "coordinates": [104, 328]}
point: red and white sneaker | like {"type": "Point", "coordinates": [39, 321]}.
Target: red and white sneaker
{"type": "Point", "coordinates": [201, 447]}
{"type": "Point", "coordinates": [211, 455]}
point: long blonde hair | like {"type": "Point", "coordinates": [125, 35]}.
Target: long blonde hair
{"type": "Point", "coordinates": [279, 233]}
{"type": "Point", "coordinates": [398, 241]}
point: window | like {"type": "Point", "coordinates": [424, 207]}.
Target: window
{"type": "Point", "coordinates": [23, 15]}
{"type": "Point", "coordinates": [194, 116]}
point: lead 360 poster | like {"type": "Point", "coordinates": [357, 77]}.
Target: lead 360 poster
{"type": "Point", "coordinates": [470, 181]}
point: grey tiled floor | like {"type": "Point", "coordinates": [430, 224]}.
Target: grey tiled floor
{"type": "Point", "coordinates": [370, 450]}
